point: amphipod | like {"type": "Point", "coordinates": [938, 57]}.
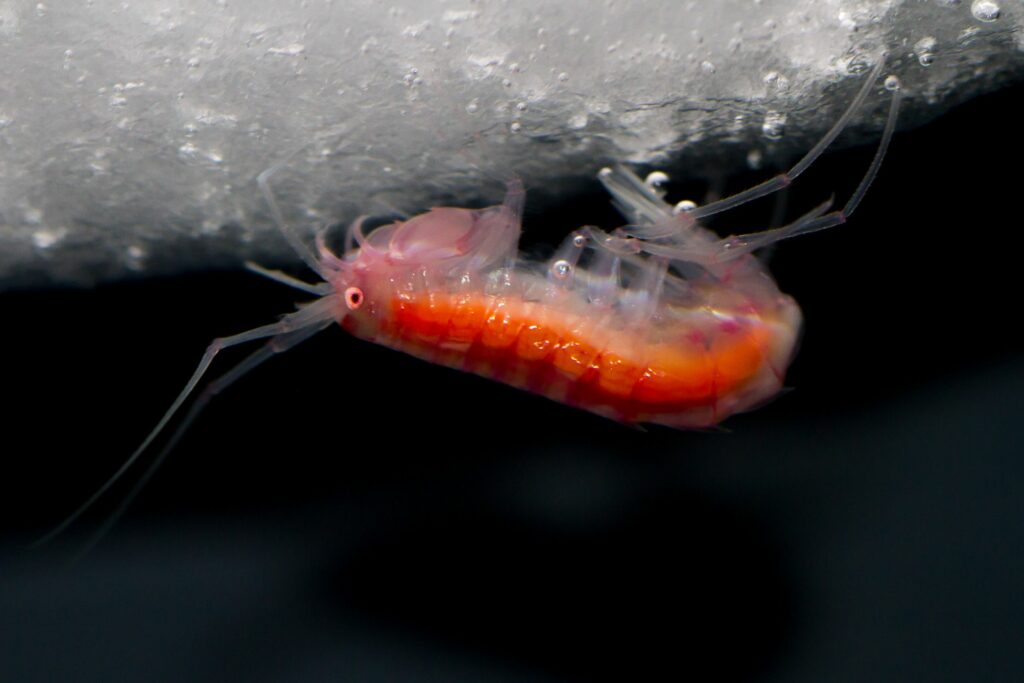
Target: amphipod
{"type": "Point", "coordinates": [660, 321]}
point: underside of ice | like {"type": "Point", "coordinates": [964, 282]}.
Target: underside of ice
{"type": "Point", "coordinates": [132, 133]}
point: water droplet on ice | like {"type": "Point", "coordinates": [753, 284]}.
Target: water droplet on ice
{"type": "Point", "coordinates": [924, 48]}
{"type": "Point", "coordinates": [985, 10]}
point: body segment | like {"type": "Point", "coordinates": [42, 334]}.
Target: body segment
{"type": "Point", "coordinates": [689, 370]}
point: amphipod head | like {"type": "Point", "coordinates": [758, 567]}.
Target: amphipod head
{"type": "Point", "coordinates": [424, 253]}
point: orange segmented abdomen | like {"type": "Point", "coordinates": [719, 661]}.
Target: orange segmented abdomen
{"type": "Point", "coordinates": [580, 355]}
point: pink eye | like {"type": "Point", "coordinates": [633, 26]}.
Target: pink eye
{"type": "Point", "coordinates": [353, 298]}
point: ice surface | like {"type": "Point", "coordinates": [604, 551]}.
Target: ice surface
{"type": "Point", "coordinates": [131, 134]}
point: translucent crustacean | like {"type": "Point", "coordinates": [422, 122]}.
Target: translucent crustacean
{"type": "Point", "coordinates": [658, 322]}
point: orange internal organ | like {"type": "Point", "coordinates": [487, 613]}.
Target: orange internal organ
{"type": "Point", "coordinates": [518, 336]}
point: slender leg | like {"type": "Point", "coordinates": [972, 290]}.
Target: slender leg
{"type": "Point", "coordinates": [515, 197]}
{"type": "Point", "coordinates": [652, 219]}
{"type": "Point", "coordinates": [562, 266]}
{"type": "Point", "coordinates": [313, 317]}
{"type": "Point", "coordinates": [648, 214]}
{"type": "Point", "coordinates": [784, 179]}
{"type": "Point", "coordinates": [744, 244]}
{"type": "Point", "coordinates": [286, 279]}
{"type": "Point", "coordinates": [300, 247]}
{"type": "Point", "coordinates": [719, 251]}
{"type": "Point", "coordinates": [276, 345]}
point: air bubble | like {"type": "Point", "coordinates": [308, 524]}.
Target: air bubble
{"type": "Point", "coordinates": [891, 83]}
{"type": "Point", "coordinates": [685, 206]}
{"type": "Point", "coordinates": [412, 78]}
{"type": "Point", "coordinates": [515, 127]}
{"type": "Point", "coordinates": [655, 179]}
{"type": "Point", "coordinates": [578, 121]}
{"type": "Point", "coordinates": [924, 48]}
{"type": "Point", "coordinates": [604, 172]}
{"type": "Point", "coordinates": [561, 269]}
{"type": "Point", "coordinates": [473, 107]}
{"type": "Point", "coordinates": [985, 10]}
{"type": "Point", "coordinates": [707, 67]}
{"type": "Point", "coordinates": [579, 240]}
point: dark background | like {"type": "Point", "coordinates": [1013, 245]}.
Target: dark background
{"type": "Point", "coordinates": [868, 525]}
